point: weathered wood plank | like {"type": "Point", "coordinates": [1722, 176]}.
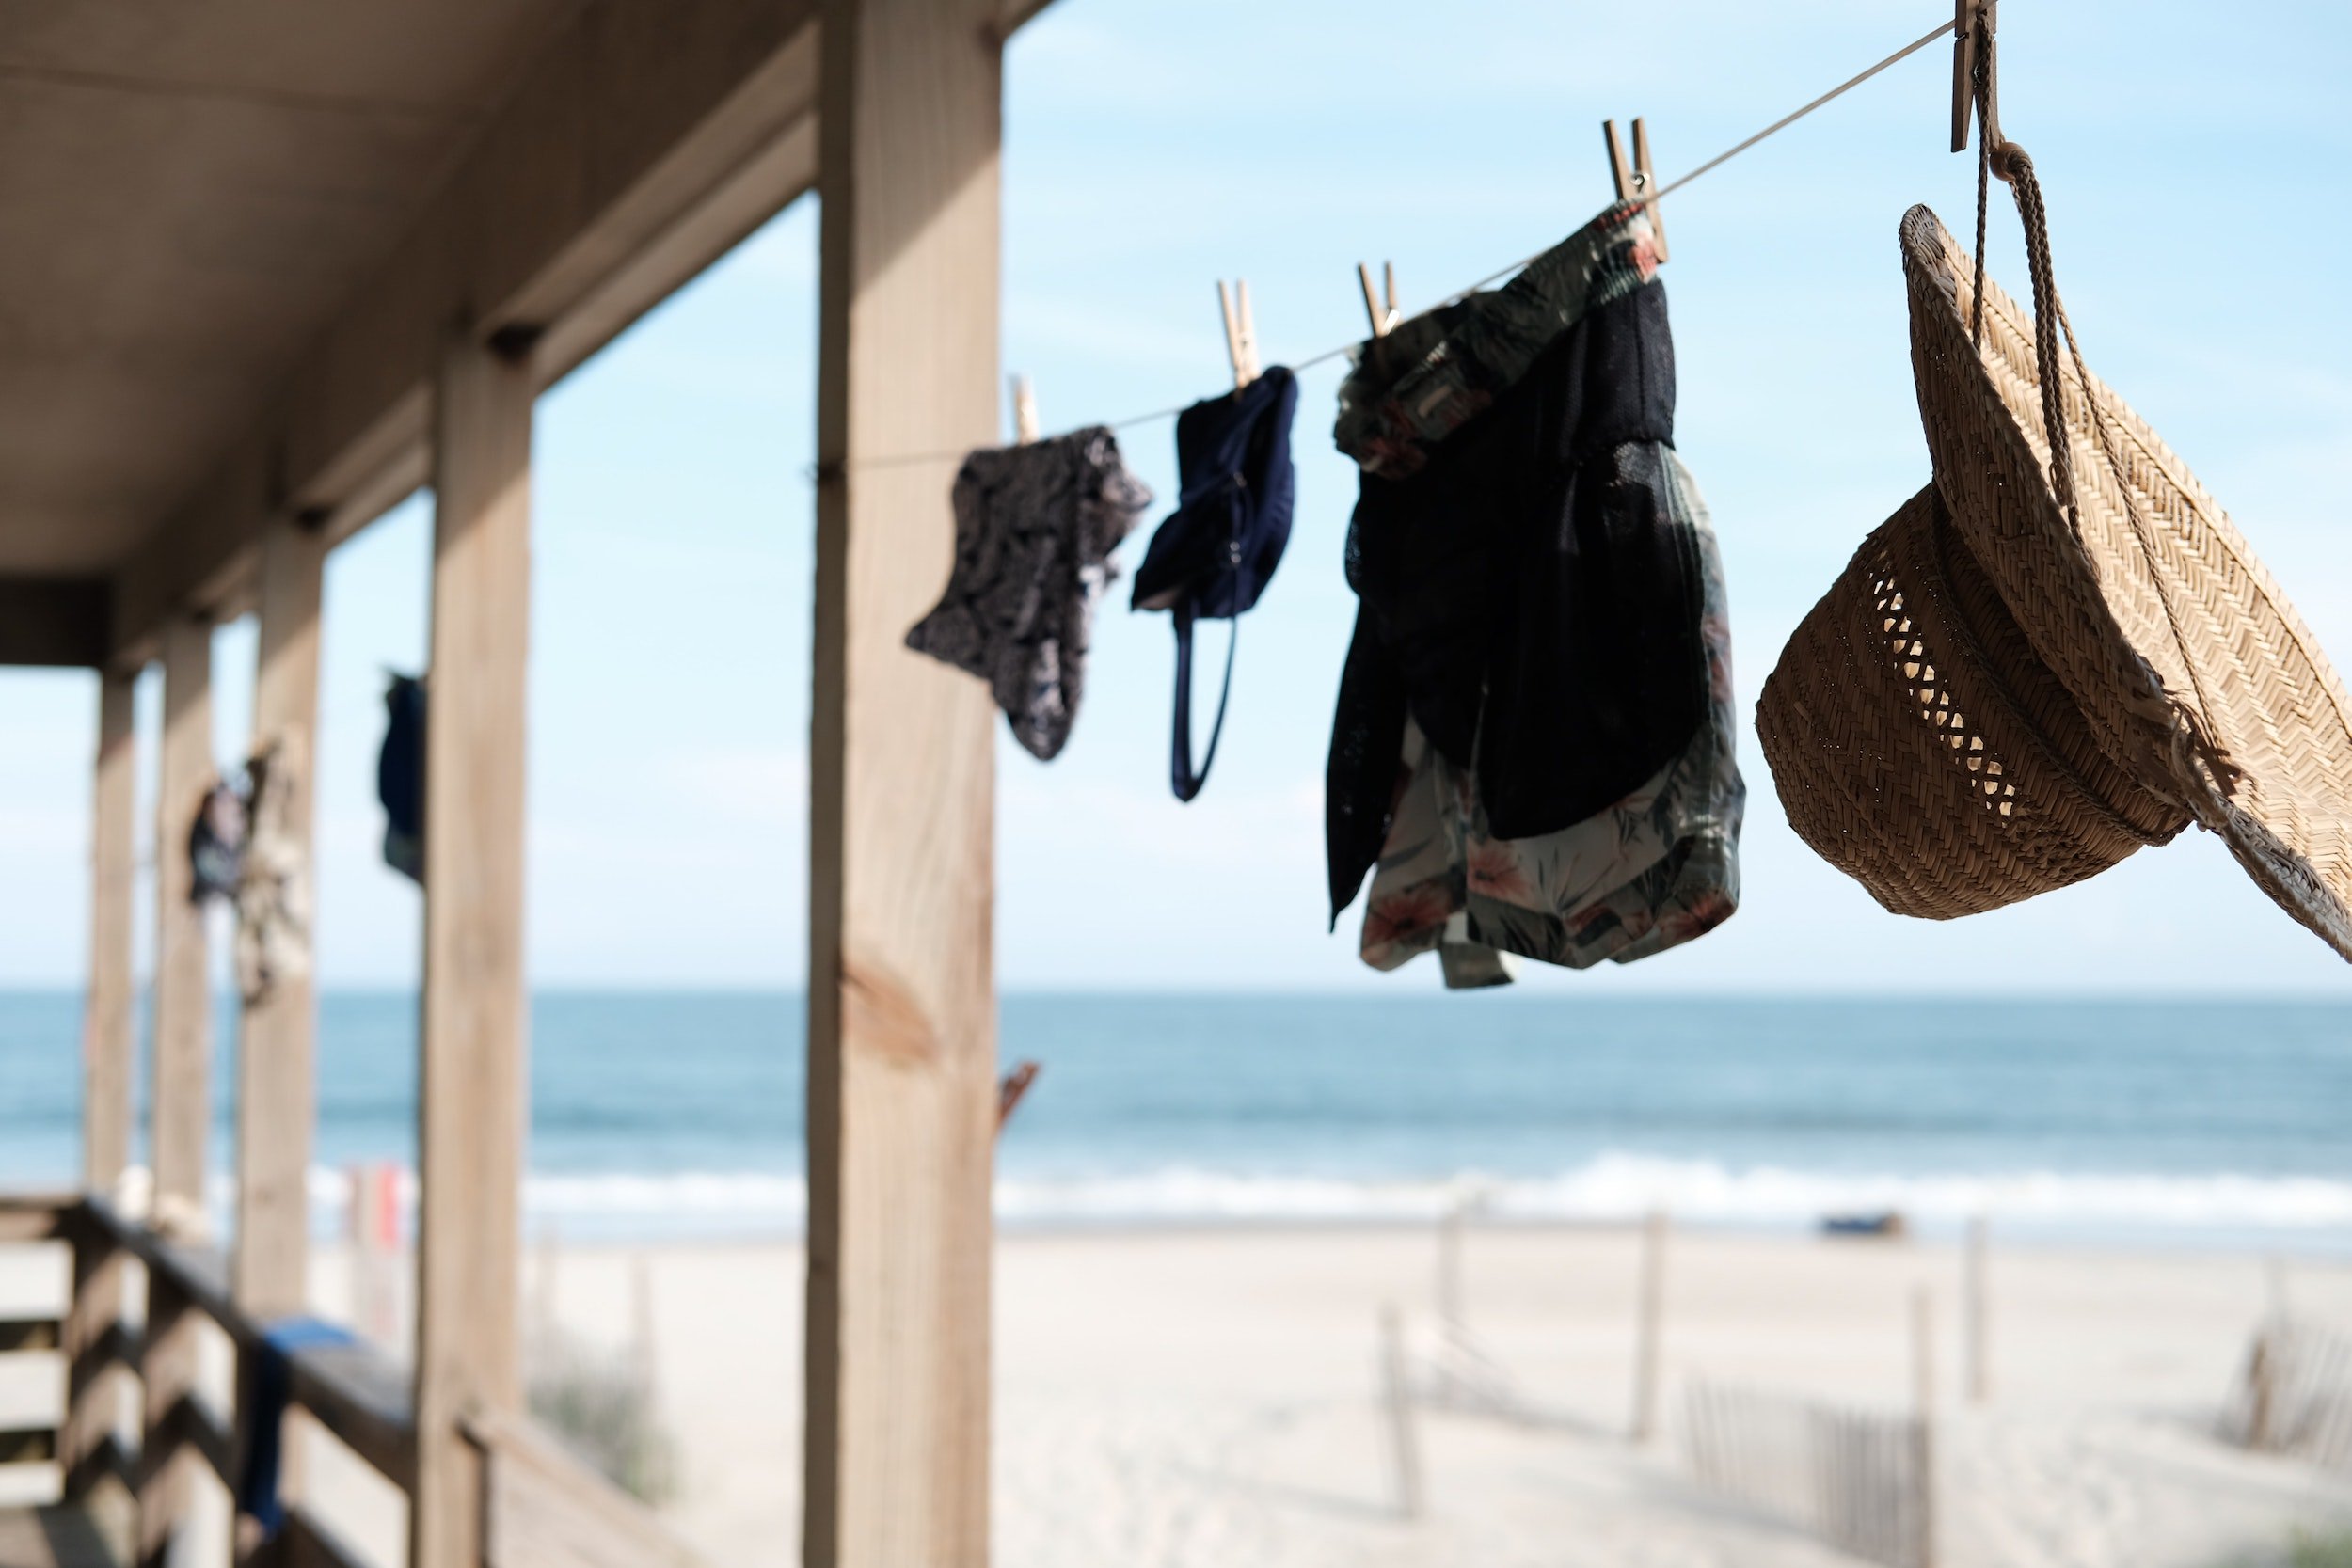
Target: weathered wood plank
{"type": "Point", "coordinates": [635, 118]}
{"type": "Point", "coordinates": [902, 1053]}
{"type": "Point", "coordinates": [182, 1072]}
{"type": "Point", "coordinates": [275, 1075]}
{"type": "Point", "coordinates": [472, 1084]}
{"type": "Point", "coordinates": [547, 1509]}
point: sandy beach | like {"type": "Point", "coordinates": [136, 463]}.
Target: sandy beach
{"type": "Point", "coordinates": [1210, 1398]}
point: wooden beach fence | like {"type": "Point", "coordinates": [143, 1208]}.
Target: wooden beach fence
{"type": "Point", "coordinates": [1649, 1327]}
{"type": "Point", "coordinates": [1452, 1306]}
{"type": "Point", "coordinates": [1396, 1399]}
{"type": "Point", "coordinates": [1922, 1518]}
{"type": "Point", "coordinates": [2295, 1395]}
{"type": "Point", "coordinates": [1863, 1480]}
{"type": "Point", "coordinates": [1977, 1292]}
{"type": "Point", "coordinates": [1859, 1479]}
{"type": "Point", "coordinates": [1442, 1366]}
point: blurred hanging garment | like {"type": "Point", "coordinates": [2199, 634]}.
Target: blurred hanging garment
{"type": "Point", "coordinates": [274, 891]}
{"type": "Point", "coordinates": [1035, 528]}
{"type": "Point", "coordinates": [1533, 740]}
{"type": "Point", "coordinates": [399, 776]}
{"type": "Point", "coordinates": [216, 843]}
{"type": "Point", "coordinates": [259, 1474]}
{"type": "Point", "coordinates": [1216, 553]}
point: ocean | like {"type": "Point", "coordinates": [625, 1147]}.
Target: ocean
{"type": "Point", "coordinates": [656, 1115]}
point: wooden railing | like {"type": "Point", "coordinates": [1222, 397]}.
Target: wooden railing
{"type": "Point", "coordinates": [354, 1390]}
{"type": "Point", "coordinates": [27, 1440]}
{"type": "Point", "coordinates": [543, 1509]}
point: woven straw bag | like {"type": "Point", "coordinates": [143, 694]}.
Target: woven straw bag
{"type": "Point", "coordinates": [2144, 670]}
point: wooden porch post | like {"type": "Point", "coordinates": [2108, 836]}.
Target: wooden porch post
{"type": "Point", "coordinates": [180, 1088]}
{"type": "Point", "coordinates": [473, 1085]}
{"type": "Point", "coordinates": [277, 1095]}
{"type": "Point", "coordinates": [275, 1073]}
{"type": "Point", "coordinates": [94, 1382]}
{"type": "Point", "coordinates": [106, 1024]}
{"type": "Point", "coordinates": [901, 1039]}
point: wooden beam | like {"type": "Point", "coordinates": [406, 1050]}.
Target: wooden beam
{"type": "Point", "coordinates": [472, 1084]}
{"type": "Point", "coordinates": [901, 1040]}
{"type": "Point", "coordinates": [181, 1089]}
{"type": "Point", "coordinates": [275, 1072]}
{"type": "Point", "coordinates": [640, 117]}
{"type": "Point", "coordinates": [59, 621]}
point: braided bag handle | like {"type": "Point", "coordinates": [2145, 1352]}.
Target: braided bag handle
{"type": "Point", "coordinates": [2191, 747]}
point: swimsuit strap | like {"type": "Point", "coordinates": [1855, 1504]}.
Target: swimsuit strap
{"type": "Point", "coordinates": [1185, 779]}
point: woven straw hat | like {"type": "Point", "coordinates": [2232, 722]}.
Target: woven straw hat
{"type": "Point", "coordinates": [2096, 622]}
{"type": "Point", "coordinates": [1923, 748]}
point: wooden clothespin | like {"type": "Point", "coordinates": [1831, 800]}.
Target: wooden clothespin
{"type": "Point", "coordinates": [1024, 411]}
{"type": "Point", "coordinates": [1240, 331]}
{"type": "Point", "coordinates": [1635, 181]}
{"type": "Point", "coordinates": [1974, 24]}
{"type": "Point", "coordinates": [1383, 318]}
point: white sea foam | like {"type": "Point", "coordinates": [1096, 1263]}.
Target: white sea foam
{"type": "Point", "coordinates": [1611, 1187]}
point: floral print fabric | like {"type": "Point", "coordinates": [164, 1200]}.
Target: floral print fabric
{"type": "Point", "coordinates": [1035, 528]}
{"type": "Point", "coordinates": [1653, 871]}
{"type": "Point", "coordinates": [1461, 357]}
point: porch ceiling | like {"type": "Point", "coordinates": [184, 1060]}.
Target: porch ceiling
{"type": "Point", "coordinates": [188, 194]}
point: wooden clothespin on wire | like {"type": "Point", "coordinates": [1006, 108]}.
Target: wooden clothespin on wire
{"type": "Point", "coordinates": [1241, 332]}
{"type": "Point", "coordinates": [1024, 411]}
{"type": "Point", "coordinates": [1975, 23]}
{"type": "Point", "coordinates": [1383, 318]}
{"type": "Point", "coordinates": [1637, 181]}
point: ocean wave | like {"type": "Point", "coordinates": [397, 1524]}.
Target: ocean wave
{"type": "Point", "coordinates": [1622, 1187]}
{"type": "Point", "coordinates": [1609, 1188]}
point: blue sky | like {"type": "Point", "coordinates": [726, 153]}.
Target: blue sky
{"type": "Point", "coordinates": [2194, 158]}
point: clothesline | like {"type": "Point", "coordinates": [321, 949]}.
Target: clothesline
{"type": "Point", "coordinates": [1646, 199]}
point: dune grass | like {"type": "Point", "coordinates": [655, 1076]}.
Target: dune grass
{"type": "Point", "coordinates": [602, 1409]}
